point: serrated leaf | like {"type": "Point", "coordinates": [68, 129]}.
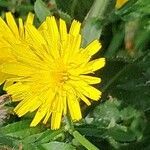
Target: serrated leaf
{"type": "Point", "coordinates": [14, 127]}
{"type": "Point", "coordinates": [41, 10]}
{"type": "Point", "coordinates": [116, 124]}
{"type": "Point", "coordinates": [32, 138]}
{"type": "Point", "coordinates": [75, 8]}
{"type": "Point", "coordinates": [107, 112]}
{"type": "Point", "coordinates": [49, 135]}
{"type": "Point", "coordinates": [133, 86]}
{"type": "Point", "coordinates": [65, 16]}
{"type": "Point", "coordinates": [7, 141]}
{"type": "Point", "coordinates": [128, 80]}
{"type": "Point", "coordinates": [20, 129]}
{"type": "Point", "coordinates": [120, 135]}
{"type": "Point", "coordinates": [92, 130]}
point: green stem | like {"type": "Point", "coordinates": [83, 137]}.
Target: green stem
{"type": "Point", "coordinates": [98, 9]}
{"type": "Point", "coordinates": [80, 138]}
{"type": "Point", "coordinates": [92, 24]}
{"type": "Point", "coordinates": [83, 141]}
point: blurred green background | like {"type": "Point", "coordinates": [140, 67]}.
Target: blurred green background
{"type": "Point", "coordinates": [121, 120]}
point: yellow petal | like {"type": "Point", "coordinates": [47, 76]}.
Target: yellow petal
{"type": "Point", "coordinates": [56, 120]}
{"type": "Point", "coordinates": [82, 97]}
{"type": "Point", "coordinates": [63, 30]}
{"type": "Point", "coordinates": [5, 30]}
{"type": "Point", "coordinates": [34, 34]}
{"type": "Point", "coordinates": [36, 105]}
{"type": "Point", "coordinates": [94, 65]}
{"type": "Point", "coordinates": [75, 45]}
{"type": "Point", "coordinates": [90, 79]}
{"type": "Point", "coordinates": [21, 28]}
{"type": "Point", "coordinates": [92, 48]}
{"type": "Point", "coordinates": [53, 36]}
{"type": "Point", "coordinates": [16, 69]}
{"type": "Point", "coordinates": [75, 28]}
{"type": "Point", "coordinates": [52, 28]}
{"type": "Point", "coordinates": [30, 18]}
{"type": "Point", "coordinates": [12, 24]}
{"type": "Point", "coordinates": [17, 90]}
{"type": "Point", "coordinates": [74, 107]}
{"type": "Point", "coordinates": [39, 116]}
{"type": "Point", "coordinates": [44, 109]}
{"type": "Point", "coordinates": [2, 77]}
{"type": "Point", "coordinates": [91, 92]}
{"type": "Point", "coordinates": [27, 56]}
{"type": "Point", "coordinates": [25, 106]}
{"type": "Point", "coordinates": [47, 117]}
{"type": "Point", "coordinates": [85, 89]}
{"type": "Point", "coordinates": [7, 83]}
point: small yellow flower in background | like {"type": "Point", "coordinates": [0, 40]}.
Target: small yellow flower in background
{"type": "Point", "coordinates": [52, 73]}
{"type": "Point", "coordinates": [120, 3]}
{"type": "Point", "coordinates": [11, 34]}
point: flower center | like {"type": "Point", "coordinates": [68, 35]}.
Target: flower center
{"type": "Point", "coordinates": [60, 73]}
{"type": "Point", "coordinates": [61, 77]}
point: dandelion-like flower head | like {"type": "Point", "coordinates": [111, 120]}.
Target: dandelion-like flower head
{"type": "Point", "coordinates": [52, 72]}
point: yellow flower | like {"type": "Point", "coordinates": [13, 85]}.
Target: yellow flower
{"type": "Point", "coordinates": [10, 33]}
{"type": "Point", "coordinates": [120, 3]}
{"type": "Point", "coordinates": [52, 73]}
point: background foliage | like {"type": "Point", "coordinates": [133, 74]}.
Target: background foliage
{"type": "Point", "coordinates": [121, 120]}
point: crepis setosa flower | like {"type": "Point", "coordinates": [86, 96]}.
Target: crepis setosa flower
{"type": "Point", "coordinates": [52, 72]}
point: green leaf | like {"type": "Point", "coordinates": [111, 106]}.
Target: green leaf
{"type": "Point", "coordinates": [75, 8]}
{"type": "Point", "coordinates": [49, 135]}
{"type": "Point", "coordinates": [133, 85]}
{"type": "Point", "coordinates": [115, 123]}
{"type": "Point", "coordinates": [129, 81]}
{"type": "Point", "coordinates": [121, 135]}
{"type": "Point", "coordinates": [29, 137]}
{"type": "Point", "coordinates": [92, 130]}
{"type": "Point", "coordinates": [7, 141]}
{"type": "Point", "coordinates": [49, 146]}
{"type": "Point", "coordinates": [93, 23]}
{"type": "Point", "coordinates": [41, 10]}
{"type": "Point", "coordinates": [32, 138]}
{"type": "Point", "coordinates": [91, 30]}
{"type": "Point", "coordinates": [56, 146]}
{"type": "Point", "coordinates": [106, 113]}
{"type": "Point", "coordinates": [30, 146]}
{"type": "Point", "coordinates": [14, 127]}
{"type": "Point", "coordinates": [20, 129]}
{"type": "Point", "coordinates": [65, 16]}
{"type": "Point", "coordinates": [135, 9]}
